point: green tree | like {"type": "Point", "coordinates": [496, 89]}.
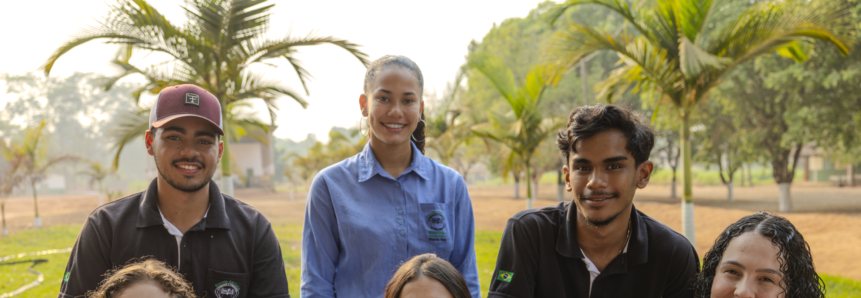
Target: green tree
{"type": "Point", "coordinates": [97, 173]}
{"type": "Point", "coordinates": [525, 127]}
{"type": "Point", "coordinates": [217, 49]}
{"type": "Point", "coordinates": [12, 175]}
{"type": "Point", "coordinates": [36, 162]}
{"type": "Point", "coordinates": [684, 48]}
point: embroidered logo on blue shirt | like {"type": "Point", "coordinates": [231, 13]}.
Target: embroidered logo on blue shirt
{"type": "Point", "coordinates": [436, 222]}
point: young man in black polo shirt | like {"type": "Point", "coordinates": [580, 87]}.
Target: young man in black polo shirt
{"type": "Point", "coordinates": [224, 247]}
{"type": "Point", "coordinates": [598, 245]}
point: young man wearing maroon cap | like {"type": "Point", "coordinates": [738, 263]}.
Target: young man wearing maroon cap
{"type": "Point", "coordinates": [224, 247]}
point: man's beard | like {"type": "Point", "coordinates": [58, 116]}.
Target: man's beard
{"type": "Point", "coordinates": [187, 187]}
{"type": "Point", "coordinates": [600, 223]}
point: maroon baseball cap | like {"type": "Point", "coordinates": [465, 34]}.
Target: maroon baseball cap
{"type": "Point", "coordinates": [182, 101]}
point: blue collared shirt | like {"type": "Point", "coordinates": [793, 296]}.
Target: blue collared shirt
{"type": "Point", "coordinates": [361, 225]}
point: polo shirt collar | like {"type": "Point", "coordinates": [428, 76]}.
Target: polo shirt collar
{"type": "Point", "coordinates": [638, 245]}
{"type": "Point", "coordinates": [369, 166]}
{"type": "Point", "coordinates": [149, 215]}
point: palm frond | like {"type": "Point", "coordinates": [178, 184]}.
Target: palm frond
{"type": "Point", "coordinates": [581, 40]}
{"type": "Point", "coordinates": [499, 75]}
{"type": "Point", "coordinates": [127, 127]}
{"type": "Point", "coordinates": [693, 61]}
{"type": "Point", "coordinates": [770, 26]}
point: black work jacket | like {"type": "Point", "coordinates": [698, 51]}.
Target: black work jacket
{"type": "Point", "coordinates": [233, 250]}
{"type": "Point", "coordinates": [540, 257]}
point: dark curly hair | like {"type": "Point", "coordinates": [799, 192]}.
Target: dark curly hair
{"type": "Point", "coordinates": [796, 264]}
{"type": "Point", "coordinates": [431, 266]}
{"type": "Point", "coordinates": [587, 121]}
{"type": "Point", "coordinates": [402, 61]}
{"type": "Point", "coordinates": [142, 270]}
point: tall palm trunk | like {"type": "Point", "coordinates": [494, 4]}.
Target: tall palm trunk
{"type": "Point", "coordinates": [3, 216]}
{"type": "Point", "coordinates": [687, 194]}
{"type": "Point", "coordinates": [528, 187]}
{"type": "Point", "coordinates": [101, 201]}
{"type": "Point", "coordinates": [36, 222]}
{"type": "Point", "coordinates": [516, 185]}
{"type": "Point", "coordinates": [560, 186]}
{"type": "Point", "coordinates": [850, 175]}
{"type": "Point", "coordinates": [226, 171]}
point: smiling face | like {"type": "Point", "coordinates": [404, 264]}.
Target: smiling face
{"type": "Point", "coordinates": [749, 268]}
{"type": "Point", "coordinates": [393, 106]}
{"type": "Point", "coordinates": [186, 152]}
{"type": "Point", "coordinates": [603, 176]}
{"type": "Point", "coordinates": [425, 287]}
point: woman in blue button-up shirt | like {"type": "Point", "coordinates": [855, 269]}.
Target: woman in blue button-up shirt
{"type": "Point", "coordinates": [372, 212]}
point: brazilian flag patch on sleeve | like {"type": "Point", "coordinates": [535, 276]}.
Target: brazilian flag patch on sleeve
{"type": "Point", "coordinates": [504, 276]}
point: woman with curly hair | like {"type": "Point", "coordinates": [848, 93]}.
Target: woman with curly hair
{"type": "Point", "coordinates": [760, 255]}
{"type": "Point", "coordinates": [147, 278]}
{"type": "Point", "coordinates": [427, 275]}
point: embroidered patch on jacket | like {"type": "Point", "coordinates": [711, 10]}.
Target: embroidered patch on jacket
{"type": "Point", "coordinates": [227, 289]}
{"type": "Point", "coordinates": [66, 277]}
{"type": "Point", "coordinates": [504, 276]}
{"type": "Point", "coordinates": [436, 222]}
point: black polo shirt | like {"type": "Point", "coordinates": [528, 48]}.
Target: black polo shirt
{"type": "Point", "coordinates": [541, 258]}
{"type": "Point", "coordinates": [232, 250]}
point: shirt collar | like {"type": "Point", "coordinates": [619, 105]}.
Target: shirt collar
{"type": "Point", "coordinates": [150, 215]}
{"type": "Point", "coordinates": [369, 166]}
{"type": "Point", "coordinates": [637, 247]}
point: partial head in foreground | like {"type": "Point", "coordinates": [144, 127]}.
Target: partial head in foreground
{"type": "Point", "coordinates": [427, 276]}
{"type": "Point", "coordinates": [606, 151]}
{"type": "Point", "coordinates": [392, 101]}
{"type": "Point", "coordinates": [147, 278]}
{"type": "Point", "coordinates": [185, 136]}
{"type": "Point", "coordinates": [760, 255]}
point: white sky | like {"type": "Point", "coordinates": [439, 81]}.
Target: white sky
{"type": "Point", "coordinates": [435, 34]}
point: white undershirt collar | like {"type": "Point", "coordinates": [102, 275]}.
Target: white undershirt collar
{"type": "Point", "coordinates": [593, 270]}
{"type": "Point", "coordinates": [176, 233]}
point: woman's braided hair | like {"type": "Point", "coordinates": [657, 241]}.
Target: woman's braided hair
{"type": "Point", "coordinates": [796, 264]}
{"type": "Point", "coordinates": [143, 270]}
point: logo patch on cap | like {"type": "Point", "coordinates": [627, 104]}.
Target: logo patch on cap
{"type": "Point", "coordinates": [192, 99]}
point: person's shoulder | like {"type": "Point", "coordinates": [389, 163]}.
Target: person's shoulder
{"type": "Point", "coordinates": [539, 217]}
{"type": "Point", "coordinates": [441, 171]}
{"type": "Point", "coordinates": [239, 208]}
{"type": "Point", "coordinates": [346, 167]}
{"type": "Point", "coordinates": [118, 208]}
{"type": "Point", "coordinates": [662, 236]}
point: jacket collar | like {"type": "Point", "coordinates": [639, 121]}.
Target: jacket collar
{"type": "Point", "coordinates": [149, 214]}
{"type": "Point", "coordinates": [566, 241]}
{"type": "Point", "coordinates": [369, 166]}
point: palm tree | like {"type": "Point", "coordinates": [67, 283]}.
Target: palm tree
{"type": "Point", "coordinates": [448, 127]}
{"type": "Point", "coordinates": [216, 49]}
{"type": "Point", "coordinates": [97, 173]}
{"type": "Point", "coordinates": [684, 48]}
{"type": "Point", "coordinates": [35, 162]}
{"type": "Point", "coordinates": [12, 176]}
{"type": "Point", "coordinates": [525, 128]}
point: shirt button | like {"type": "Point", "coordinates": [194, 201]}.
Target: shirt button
{"type": "Point", "coordinates": [402, 232]}
{"type": "Point", "coordinates": [400, 211]}
{"type": "Point", "coordinates": [397, 184]}
{"type": "Point", "coordinates": [400, 221]}
{"type": "Point", "coordinates": [402, 262]}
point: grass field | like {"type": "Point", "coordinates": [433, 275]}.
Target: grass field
{"type": "Point", "coordinates": [57, 237]}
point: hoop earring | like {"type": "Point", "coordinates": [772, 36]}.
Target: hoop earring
{"type": "Point", "coordinates": [423, 139]}
{"type": "Point", "coordinates": [362, 131]}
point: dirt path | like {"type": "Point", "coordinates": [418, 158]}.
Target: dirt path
{"type": "Point", "coordinates": [828, 217]}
